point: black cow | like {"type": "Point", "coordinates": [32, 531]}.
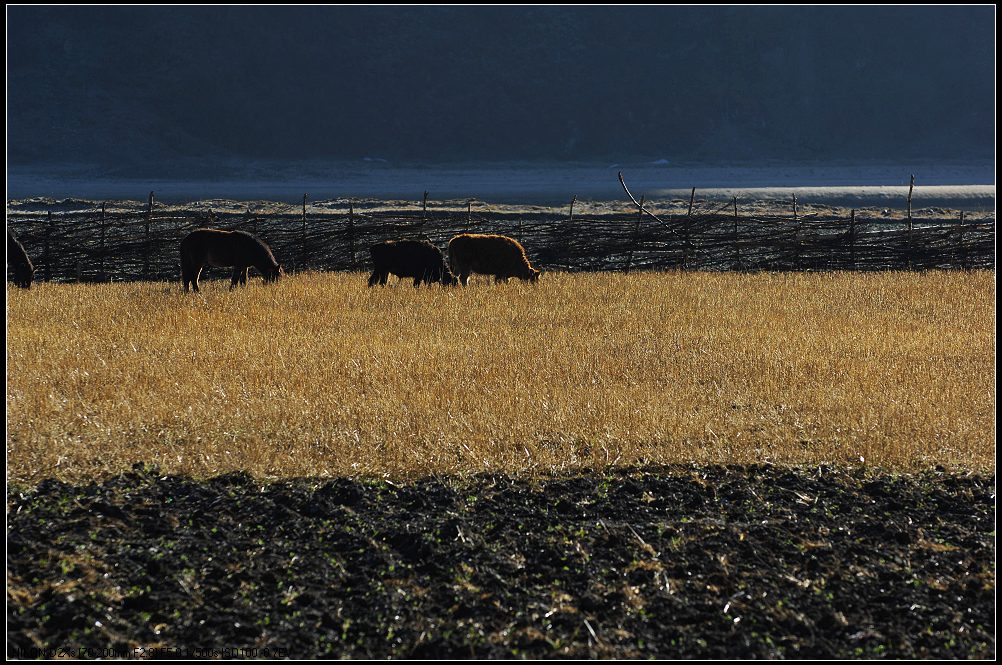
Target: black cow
{"type": "Point", "coordinates": [418, 259]}
{"type": "Point", "coordinates": [224, 249]}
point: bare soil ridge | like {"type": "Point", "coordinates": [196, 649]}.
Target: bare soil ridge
{"type": "Point", "coordinates": [669, 562]}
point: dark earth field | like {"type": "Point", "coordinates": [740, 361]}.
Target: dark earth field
{"type": "Point", "coordinates": [671, 562]}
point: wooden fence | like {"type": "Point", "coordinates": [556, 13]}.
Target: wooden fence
{"type": "Point", "coordinates": [94, 244]}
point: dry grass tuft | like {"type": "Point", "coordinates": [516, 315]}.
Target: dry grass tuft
{"type": "Point", "coordinates": [319, 375]}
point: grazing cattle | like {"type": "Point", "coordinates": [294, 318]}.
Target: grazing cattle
{"type": "Point", "coordinates": [418, 259]}
{"type": "Point", "coordinates": [24, 271]}
{"type": "Point", "coordinates": [226, 249]}
{"type": "Point", "coordinates": [500, 256]}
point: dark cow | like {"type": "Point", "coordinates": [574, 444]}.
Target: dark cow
{"type": "Point", "coordinates": [24, 271]}
{"type": "Point", "coordinates": [496, 255]}
{"type": "Point", "coordinates": [226, 249]}
{"type": "Point", "coordinates": [417, 259]}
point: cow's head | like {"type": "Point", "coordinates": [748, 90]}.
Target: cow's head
{"type": "Point", "coordinates": [24, 275]}
{"type": "Point", "coordinates": [445, 275]}
{"type": "Point", "coordinates": [274, 274]}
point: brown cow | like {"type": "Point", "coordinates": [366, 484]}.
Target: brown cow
{"type": "Point", "coordinates": [496, 255]}
{"type": "Point", "coordinates": [24, 271]}
{"type": "Point", "coordinates": [225, 249]}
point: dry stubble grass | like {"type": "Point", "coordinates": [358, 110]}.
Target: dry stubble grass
{"type": "Point", "coordinates": [319, 375]}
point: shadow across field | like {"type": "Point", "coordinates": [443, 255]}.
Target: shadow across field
{"type": "Point", "coordinates": [684, 561]}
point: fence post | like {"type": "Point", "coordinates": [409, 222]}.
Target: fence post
{"type": "Point", "coordinates": [469, 214]}
{"type": "Point", "coordinates": [100, 273]}
{"type": "Point", "coordinates": [302, 239]}
{"type": "Point", "coordinates": [636, 235]}
{"type": "Point", "coordinates": [911, 187]}
{"type": "Point", "coordinates": [351, 232]}
{"type": "Point", "coordinates": [737, 248]}
{"type": "Point", "coordinates": [852, 238]}
{"type": "Point", "coordinates": [424, 207]}
{"type": "Point", "coordinates": [566, 252]}
{"type": "Point", "coordinates": [960, 241]}
{"type": "Point", "coordinates": [146, 239]}
{"type": "Point", "coordinates": [686, 237]}
{"type": "Point", "coordinates": [796, 235]}
{"type": "Point", "coordinates": [48, 256]}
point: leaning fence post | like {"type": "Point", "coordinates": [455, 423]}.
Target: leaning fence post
{"type": "Point", "coordinates": [469, 214]}
{"type": "Point", "coordinates": [424, 206]}
{"type": "Point", "coordinates": [911, 187]}
{"type": "Point", "coordinates": [146, 239]}
{"type": "Point", "coordinates": [737, 248]}
{"type": "Point", "coordinates": [100, 273]}
{"type": "Point", "coordinates": [636, 236]}
{"type": "Point", "coordinates": [247, 220]}
{"type": "Point", "coordinates": [48, 256]}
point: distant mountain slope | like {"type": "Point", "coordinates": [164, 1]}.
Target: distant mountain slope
{"type": "Point", "coordinates": [136, 88]}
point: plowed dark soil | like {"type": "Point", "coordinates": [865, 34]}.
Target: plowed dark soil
{"type": "Point", "coordinates": [677, 562]}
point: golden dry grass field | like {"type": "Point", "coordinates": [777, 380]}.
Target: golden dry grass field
{"type": "Point", "coordinates": [320, 375]}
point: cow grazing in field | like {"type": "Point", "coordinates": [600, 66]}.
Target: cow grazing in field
{"type": "Point", "coordinates": [496, 255]}
{"type": "Point", "coordinates": [24, 271]}
{"type": "Point", "coordinates": [226, 249]}
{"type": "Point", "coordinates": [417, 259]}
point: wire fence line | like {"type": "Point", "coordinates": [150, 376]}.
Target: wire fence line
{"type": "Point", "coordinates": [94, 245]}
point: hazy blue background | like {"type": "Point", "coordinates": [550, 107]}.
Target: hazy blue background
{"type": "Point", "coordinates": [239, 93]}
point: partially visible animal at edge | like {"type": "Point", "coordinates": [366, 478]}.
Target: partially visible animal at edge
{"type": "Point", "coordinates": [17, 257]}
{"type": "Point", "coordinates": [496, 255]}
{"type": "Point", "coordinates": [226, 249]}
{"type": "Point", "coordinates": [417, 259]}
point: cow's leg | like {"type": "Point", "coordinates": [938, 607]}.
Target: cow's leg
{"type": "Point", "coordinates": [185, 271]}
{"type": "Point", "coordinates": [373, 278]}
{"type": "Point", "coordinates": [417, 281]}
{"type": "Point", "coordinates": [194, 279]}
{"type": "Point", "coordinates": [234, 278]}
{"type": "Point", "coordinates": [243, 276]}
{"type": "Point", "coordinates": [465, 279]}
{"type": "Point", "coordinates": [383, 278]}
